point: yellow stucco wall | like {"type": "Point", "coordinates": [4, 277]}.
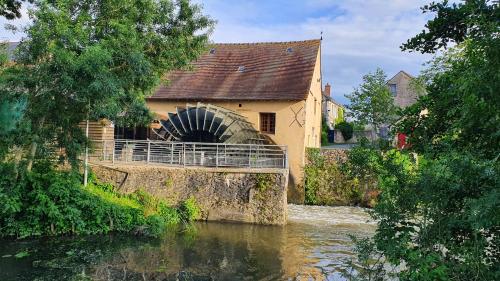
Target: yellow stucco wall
{"type": "Point", "coordinates": [313, 108]}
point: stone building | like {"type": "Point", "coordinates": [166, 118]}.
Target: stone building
{"type": "Point", "coordinates": [331, 109]}
{"type": "Point", "coordinates": [399, 86]}
{"type": "Point", "coordinates": [257, 92]}
{"type": "Point", "coordinates": [404, 96]}
{"type": "Point", "coordinates": [275, 87]}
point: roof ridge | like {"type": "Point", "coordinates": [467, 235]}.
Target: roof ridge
{"type": "Point", "coordinates": [411, 76]}
{"type": "Point", "coordinates": [269, 43]}
{"type": "Point", "coordinates": [401, 71]}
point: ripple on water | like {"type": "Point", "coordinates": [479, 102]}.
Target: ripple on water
{"type": "Point", "coordinates": [326, 215]}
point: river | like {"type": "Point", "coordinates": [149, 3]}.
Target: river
{"type": "Point", "coordinates": [312, 246]}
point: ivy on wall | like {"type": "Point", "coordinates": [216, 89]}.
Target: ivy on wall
{"type": "Point", "coordinates": [329, 180]}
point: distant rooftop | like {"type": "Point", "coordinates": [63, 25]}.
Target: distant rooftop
{"type": "Point", "coordinates": [329, 98]}
{"type": "Point", "coordinates": [402, 72]}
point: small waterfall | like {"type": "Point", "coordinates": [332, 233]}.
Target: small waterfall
{"type": "Point", "coordinates": [329, 216]}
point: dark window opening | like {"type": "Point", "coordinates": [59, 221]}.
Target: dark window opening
{"type": "Point", "coordinates": [393, 89]}
{"type": "Point", "coordinates": [239, 105]}
{"type": "Point", "coordinates": [268, 123]}
{"type": "Point", "coordinates": [132, 133]}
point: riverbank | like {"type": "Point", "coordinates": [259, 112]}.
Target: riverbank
{"type": "Point", "coordinates": [314, 244]}
{"type": "Point", "coordinates": [51, 202]}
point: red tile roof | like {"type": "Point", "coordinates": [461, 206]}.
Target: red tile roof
{"type": "Point", "coordinates": [252, 71]}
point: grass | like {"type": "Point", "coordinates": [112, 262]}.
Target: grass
{"type": "Point", "coordinates": [107, 194]}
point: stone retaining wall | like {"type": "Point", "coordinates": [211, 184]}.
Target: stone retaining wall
{"type": "Point", "coordinates": [256, 196]}
{"type": "Point", "coordinates": [335, 155]}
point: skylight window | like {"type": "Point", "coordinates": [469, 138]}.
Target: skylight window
{"type": "Point", "coordinates": [289, 50]}
{"type": "Point", "coordinates": [241, 68]}
{"type": "Point", "coordinates": [212, 51]}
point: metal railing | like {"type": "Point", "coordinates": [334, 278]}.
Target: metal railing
{"type": "Point", "coordinates": [190, 154]}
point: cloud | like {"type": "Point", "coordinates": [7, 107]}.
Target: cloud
{"type": "Point", "coordinates": [8, 35]}
{"type": "Point", "coordinates": [358, 35]}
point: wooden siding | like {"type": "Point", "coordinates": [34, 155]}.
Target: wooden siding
{"type": "Point", "coordinates": [99, 130]}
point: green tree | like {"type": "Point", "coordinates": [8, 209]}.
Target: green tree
{"type": "Point", "coordinates": [372, 103]}
{"type": "Point", "coordinates": [462, 85]}
{"type": "Point", "coordinates": [96, 59]}
{"type": "Point", "coordinates": [11, 9]}
{"type": "Point", "coordinates": [438, 211]}
{"type": "Point", "coordinates": [456, 23]}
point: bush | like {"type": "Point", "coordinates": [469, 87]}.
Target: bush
{"type": "Point", "coordinates": [328, 183]}
{"type": "Point", "coordinates": [343, 182]}
{"type": "Point", "coordinates": [324, 132]}
{"type": "Point", "coordinates": [437, 216]}
{"type": "Point", "coordinates": [346, 129]}
{"type": "Point", "coordinates": [189, 210]}
{"type": "Point", "coordinates": [440, 216]}
{"type": "Point", "coordinates": [51, 202]}
{"type": "Point", "coordinates": [324, 138]}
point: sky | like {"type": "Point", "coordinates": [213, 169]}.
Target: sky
{"type": "Point", "coordinates": [358, 35]}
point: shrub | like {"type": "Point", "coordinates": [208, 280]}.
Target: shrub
{"type": "Point", "coordinates": [327, 184]}
{"type": "Point", "coordinates": [169, 214]}
{"type": "Point", "coordinates": [264, 181]}
{"type": "Point", "coordinates": [51, 202]}
{"type": "Point", "coordinates": [346, 129]}
{"type": "Point", "coordinates": [324, 132]}
{"type": "Point", "coordinates": [440, 216]}
{"type": "Point", "coordinates": [353, 182]}
{"type": "Point", "coordinates": [324, 138]}
{"type": "Point", "coordinates": [189, 210]}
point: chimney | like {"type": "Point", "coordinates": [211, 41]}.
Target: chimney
{"type": "Point", "coordinates": [326, 92]}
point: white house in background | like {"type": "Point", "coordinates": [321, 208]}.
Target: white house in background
{"type": "Point", "coordinates": [331, 109]}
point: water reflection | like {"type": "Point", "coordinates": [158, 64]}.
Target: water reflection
{"type": "Point", "coordinates": [312, 246]}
